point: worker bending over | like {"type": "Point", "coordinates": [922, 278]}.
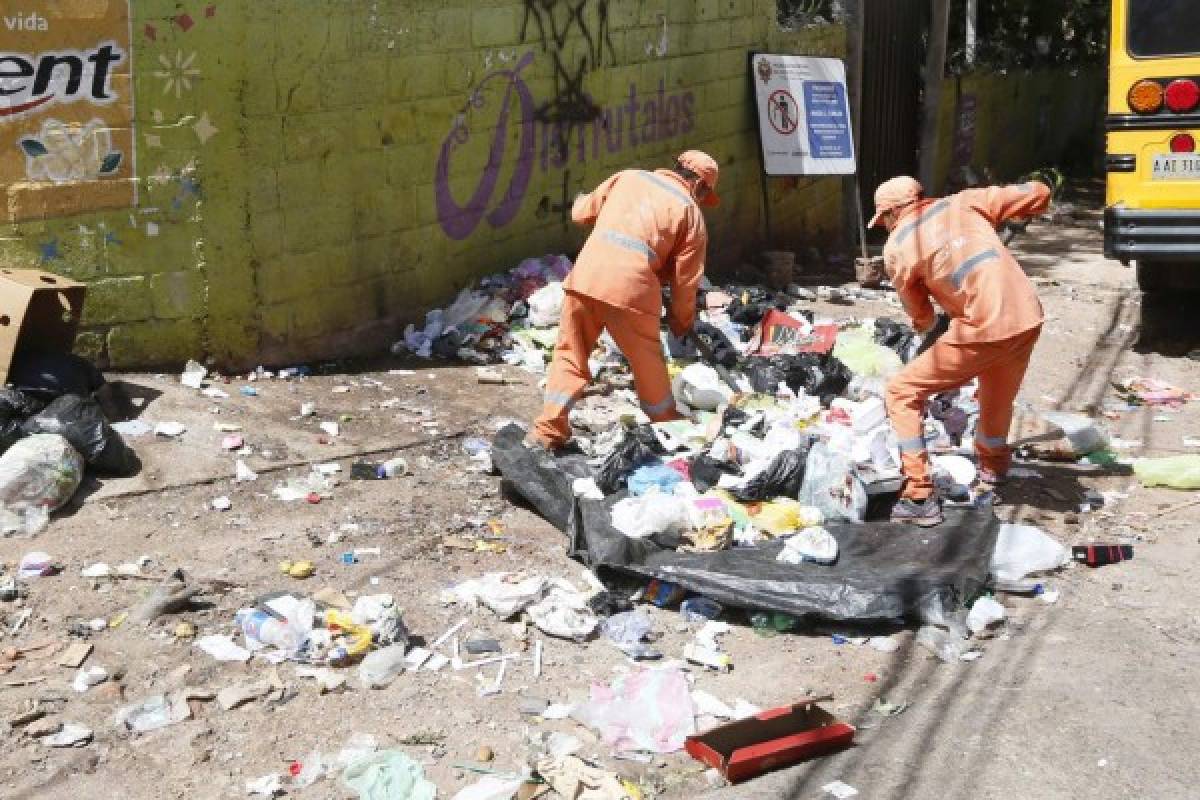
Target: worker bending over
{"type": "Point", "coordinates": [648, 232]}
{"type": "Point", "coordinates": [947, 250]}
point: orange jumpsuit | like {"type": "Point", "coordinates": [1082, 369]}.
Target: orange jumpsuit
{"type": "Point", "coordinates": [947, 250]}
{"type": "Point", "coordinates": [648, 232]}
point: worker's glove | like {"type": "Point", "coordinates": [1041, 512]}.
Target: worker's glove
{"type": "Point", "coordinates": [940, 326]}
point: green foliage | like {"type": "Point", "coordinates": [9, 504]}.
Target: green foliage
{"type": "Point", "coordinates": [1025, 34]}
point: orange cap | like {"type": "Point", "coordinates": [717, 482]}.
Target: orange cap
{"type": "Point", "coordinates": [705, 166]}
{"type": "Point", "coordinates": [895, 193]}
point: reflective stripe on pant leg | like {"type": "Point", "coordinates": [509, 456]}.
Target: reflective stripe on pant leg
{"type": "Point", "coordinates": [568, 374]}
{"type": "Point", "coordinates": [914, 445]}
{"type": "Point", "coordinates": [993, 442]}
{"type": "Point", "coordinates": [559, 399]}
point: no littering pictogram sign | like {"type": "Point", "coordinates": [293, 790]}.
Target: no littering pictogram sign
{"type": "Point", "coordinates": [783, 112]}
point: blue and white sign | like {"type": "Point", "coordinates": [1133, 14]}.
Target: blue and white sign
{"type": "Point", "coordinates": [804, 117]}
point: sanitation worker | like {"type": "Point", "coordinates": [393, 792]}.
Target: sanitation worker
{"type": "Point", "coordinates": [947, 250]}
{"type": "Point", "coordinates": [647, 232]}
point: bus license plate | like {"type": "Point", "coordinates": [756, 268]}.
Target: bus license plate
{"type": "Point", "coordinates": [1176, 167]}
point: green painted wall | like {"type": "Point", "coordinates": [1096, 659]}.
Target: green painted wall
{"type": "Point", "coordinates": [288, 153]}
{"type": "Point", "coordinates": [1010, 124]}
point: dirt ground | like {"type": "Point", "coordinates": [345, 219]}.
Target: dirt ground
{"type": "Point", "coordinates": [1095, 695]}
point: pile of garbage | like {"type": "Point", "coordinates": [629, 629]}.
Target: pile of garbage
{"type": "Point", "coordinates": [52, 427]}
{"type": "Point", "coordinates": [506, 318]}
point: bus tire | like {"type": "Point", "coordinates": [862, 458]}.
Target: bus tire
{"type": "Point", "coordinates": [1161, 276]}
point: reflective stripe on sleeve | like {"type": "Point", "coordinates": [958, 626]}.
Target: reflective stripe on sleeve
{"type": "Point", "coordinates": [937, 208]}
{"type": "Point", "coordinates": [629, 243]}
{"type": "Point", "coordinates": [662, 184]}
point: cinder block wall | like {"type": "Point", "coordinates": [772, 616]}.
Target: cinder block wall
{"type": "Point", "coordinates": [1013, 123]}
{"type": "Point", "coordinates": [311, 174]}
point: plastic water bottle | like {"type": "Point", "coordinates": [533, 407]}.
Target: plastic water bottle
{"type": "Point", "coordinates": [261, 627]}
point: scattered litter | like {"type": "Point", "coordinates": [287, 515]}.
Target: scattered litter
{"type": "Point", "coordinates": [388, 775]}
{"type": "Point", "coordinates": [813, 545]}
{"type": "Point", "coordinates": [1099, 555]}
{"type": "Point", "coordinates": [1025, 550]}
{"type": "Point", "coordinates": [132, 428]}
{"type": "Point", "coordinates": [87, 677]}
{"type": "Point", "coordinates": [643, 710]}
{"type": "Point", "coordinates": [841, 791]}
{"type": "Point", "coordinates": [985, 613]}
{"type": "Point", "coordinates": [71, 735]}
{"type": "Point", "coordinates": [169, 430]}
{"type": "Point", "coordinates": [573, 779]}
{"type": "Point", "coordinates": [193, 375]}
{"type": "Point", "coordinates": [752, 745]}
{"type": "Point", "coordinates": [266, 786]}
{"type": "Point", "coordinates": [221, 503]}
{"type": "Point", "coordinates": [222, 648]}
{"type": "Point", "coordinates": [243, 473]}
{"type": "Point", "coordinates": [331, 428]}
{"type": "Point", "coordinates": [1174, 472]}
{"type": "Point", "coordinates": [504, 593]}
{"type": "Point", "coordinates": [35, 565]}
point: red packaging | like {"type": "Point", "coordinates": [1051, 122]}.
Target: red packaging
{"type": "Point", "coordinates": [777, 738]}
{"type": "Point", "coordinates": [782, 333]}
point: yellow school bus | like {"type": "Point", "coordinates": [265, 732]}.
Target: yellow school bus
{"type": "Point", "coordinates": [1152, 210]}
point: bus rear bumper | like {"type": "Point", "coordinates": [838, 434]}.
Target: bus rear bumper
{"type": "Point", "coordinates": [1152, 234]}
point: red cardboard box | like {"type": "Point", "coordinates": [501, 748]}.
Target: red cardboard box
{"type": "Point", "coordinates": [782, 333]}
{"type": "Point", "coordinates": [780, 737]}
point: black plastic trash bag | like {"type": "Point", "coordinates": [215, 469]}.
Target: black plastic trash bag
{"type": "Point", "coordinates": [750, 305]}
{"type": "Point", "coordinates": [80, 421]}
{"type": "Point", "coordinates": [783, 477]}
{"type": "Point", "coordinates": [639, 447]}
{"type": "Point", "coordinates": [818, 374]}
{"type": "Point", "coordinates": [883, 571]}
{"type": "Point", "coordinates": [896, 336]}
{"type": "Point", "coordinates": [705, 471]}
{"type": "Point", "coordinates": [724, 353]}
{"type": "Point", "coordinates": [47, 376]}
{"type": "Point", "coordinates": [15, 408]}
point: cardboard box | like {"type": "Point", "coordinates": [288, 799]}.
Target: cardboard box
{"type": "Point", "coordinates": [782, 736]}
{"type": "Point", "coordinates": [39, 312]}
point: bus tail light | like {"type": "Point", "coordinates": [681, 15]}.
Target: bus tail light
{"type": "Point", "coordinates": [1182, 95]}
{"type": "Point", "coordinates": [1183, 143]}
{"type": "Point", "coordinates": [1146, 97]}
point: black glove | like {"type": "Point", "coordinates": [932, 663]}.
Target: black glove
{"type": "Point", "coordinates": [940, 326]}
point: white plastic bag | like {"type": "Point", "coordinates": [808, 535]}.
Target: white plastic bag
{"type": "Point", "coordinates": [1085, 434]}
{"type": "Point", "coordinates": [699, 386]}
{"type": "Point", "coordinates": [563, 613]}
{"type": "Point", "coordinates": [831, 485]}
{"type": "Point", "coordinates": [813, 545]}
{"type": "Point", "coordinates": [545, 305]}
{"type": "Point", "coordinates": [505, 593]}
{"type": "Point", "coordinates": [38, 475]}
{"type": "Point", "coordinates": [1025, 549]}
{"type": "Point", "coordinates": [652, 513]}
{"type": "Point", "coordinates": [984, 613]}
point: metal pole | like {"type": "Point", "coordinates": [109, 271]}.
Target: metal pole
{"type": "Point", "coordinates": [970, 34]}
{"type": "Point", "coordinates": [862, 220]}
{"type": "Point", "coordinates": [935, 68]}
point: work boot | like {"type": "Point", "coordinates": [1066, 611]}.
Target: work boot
{"type": "Point", "coordinates": [570, 447]}
{"type": "Point", "coordinates": [926, 513]}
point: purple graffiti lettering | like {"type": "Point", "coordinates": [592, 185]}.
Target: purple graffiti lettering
{"type": "Point", "coordinates": [459, 222]}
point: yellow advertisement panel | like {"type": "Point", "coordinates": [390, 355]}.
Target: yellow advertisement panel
{"type": "Point", "coordinates": [66, 108]}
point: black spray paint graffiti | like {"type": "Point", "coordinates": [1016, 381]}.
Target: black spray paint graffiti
{"type": "Point", "coordinates": [556, 20]}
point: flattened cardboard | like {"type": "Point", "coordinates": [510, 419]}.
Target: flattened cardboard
{"type": "Point", "coordinates": [39, 312]}
{"type": "Point", "coordinates": [780, 737]}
